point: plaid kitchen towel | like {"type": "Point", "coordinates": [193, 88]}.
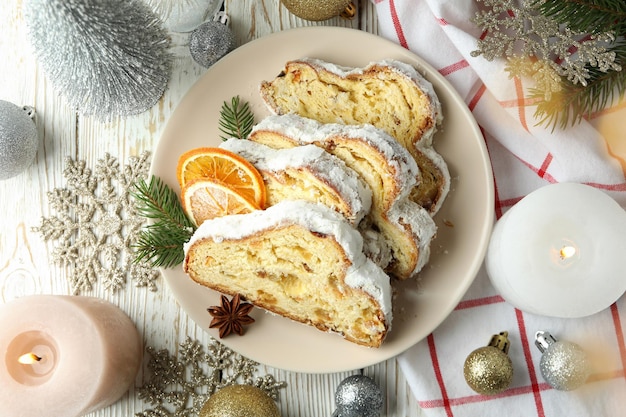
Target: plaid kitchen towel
{"type": "Point", "coordinates": [524, 157]}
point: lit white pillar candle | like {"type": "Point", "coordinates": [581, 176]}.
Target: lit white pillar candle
{"type": "Point", "coordinates": [64, 356]}
{"type": "Point", "coordinates": [560, 252]}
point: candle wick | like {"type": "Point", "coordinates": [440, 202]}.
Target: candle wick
{"type": "Point", "coordinates": [567, 252]}
{"type": "Point", "coordinates": [29, 358]}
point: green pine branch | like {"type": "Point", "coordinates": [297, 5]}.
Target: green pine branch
{"type": "Point", "coordinates": [576, 102]}
{"type": "Point", "coordinates": [236, 119]}
{"type": "Point", "coordinates": [586, 16]}
{"type": "Point", "coordinates": [161, 242]}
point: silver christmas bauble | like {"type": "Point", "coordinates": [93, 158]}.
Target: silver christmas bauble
{"type": "Point", "coordinates": [564, 365]}
{"type": "Point", "coordinates": [211, 41]}
{"type": "Point", "coordinates": [358, 396]}
{"type": "Point", "coordinates": [18, 139]}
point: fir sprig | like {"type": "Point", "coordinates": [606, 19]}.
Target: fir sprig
{"type": "Point", "coordinates": [576, 102]}
{"type": "Point", "coordinates": [236, 119]}
{"type": "Point", "coordinates": [586, 16]}
{"type": "Point", "coordinates": [161, 242]}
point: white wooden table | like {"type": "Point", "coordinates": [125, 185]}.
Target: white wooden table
{"type": "Point", "coordinates": [25, 259]}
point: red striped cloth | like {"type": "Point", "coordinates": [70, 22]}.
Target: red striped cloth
{"type": "Point", "coordinates": [524, 157]}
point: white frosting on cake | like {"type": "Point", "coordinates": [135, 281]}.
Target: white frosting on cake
{"type": "Point", "coordinates": [306, 131]}
{"type": "Point", "coordinates": [375, 246]}
{"type": "Point", "coordinates": [330, 169]}
{"type": "Point", "coordinates": [423, 227]}
{"type": "Point", "coordinates": [363, 273]}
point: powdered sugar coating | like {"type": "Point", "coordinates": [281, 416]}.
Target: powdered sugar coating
{"type": "Point", "coordinates": [306, 131]}
{"type": "Point", "coordinates": [363, 274]}
{"type": "Point", "coordinates": [375, 246]}
{"type": "Point", "coordinates": [423, 227]}
{"type": "Point", "coordinates": [328, 168]}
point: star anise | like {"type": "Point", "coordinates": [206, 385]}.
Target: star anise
{"type": "Point", "coordinates": [231, 316]}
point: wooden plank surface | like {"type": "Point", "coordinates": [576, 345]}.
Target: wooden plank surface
{"type": "Point", "coordinates": [25, 259]}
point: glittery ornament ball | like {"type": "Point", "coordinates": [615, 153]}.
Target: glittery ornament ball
{"type": "Point", "coordinates": [239, 401]}
{"type": "Point", "coordinates": [316, 10]}
{"type": "Point", "coordinates": [564, 366]}
{"type": "Point", "coordinates": [358, 396]}
{"type": "Point", "coordinates": [488, 370]}
{"type": "Point", "coordinates": [18, 139]}
{"type": "Point", "coordinates": [210, 42]}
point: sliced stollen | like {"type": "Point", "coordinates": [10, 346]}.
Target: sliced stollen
{"type": "Point", "coordinates": [383, 164]}
{"type": "Point", "coordinates": [298, 259]}
{"type": "Point", "coordinates": [388, 94]}
{"type": "Point", "coordinates": [435, 185]}
{"type": "Point", "coordinates": [306, 173]}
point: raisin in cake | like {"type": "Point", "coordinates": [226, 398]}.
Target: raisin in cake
{"type": "Point", "coordinates": [388, 94]}
{"type": "Point", "coordinates": [383, 164]}
{"type": "Point", "coordinates": [306, 173]}
{"type": "Point", "coordinates": [298, 259]}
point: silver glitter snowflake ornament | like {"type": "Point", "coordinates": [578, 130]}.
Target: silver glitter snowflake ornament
{"type": "Point", "coordinates": [96, 225]}
{"type": "Point", "coordinates": [179, 386]}
{"type": "Point", "coordinates": [107, 58]}
{"type": "Point", "coordinates": [515, 29]}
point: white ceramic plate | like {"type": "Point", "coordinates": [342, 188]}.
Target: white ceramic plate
{"type": "Point", "coordinates": [465, 220]}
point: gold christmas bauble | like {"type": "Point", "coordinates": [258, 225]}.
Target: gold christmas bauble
{"type": "Point", "coordinates": [239, 401]}
{"type": "Point", "coordinates": [317, 10]}
{"type": "Point", "coordinates": [488, 370]}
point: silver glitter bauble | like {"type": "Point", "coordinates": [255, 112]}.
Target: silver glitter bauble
{"type": "Point", "coordinates": [358, 396]}
{"type": "Point", "coordinates": [316, 10]}
{"type": "Point", "coordinates": [564, 365]}
{"type": "Point", "coordinates": [211, 41]}
{"type": "Point", "coordinates": [106, 58]}
{"type": "Point", "coordinates": [239, 401]}
{"type": "Point", "coordinates": [488, 370]}
{"type": "Point", "coordinates": [18, 139]}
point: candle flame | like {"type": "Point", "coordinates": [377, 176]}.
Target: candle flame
{"type": "Point", "coordinates": [28, 359]}
{"type": "Point", "coordinates": [567, 252]}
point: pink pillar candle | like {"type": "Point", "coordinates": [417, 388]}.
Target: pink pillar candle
{"type": "Point", "coordinates": [64, 356]}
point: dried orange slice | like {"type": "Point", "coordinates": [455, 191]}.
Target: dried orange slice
{"type": "Point", "coordinates": [206, 199]}
{"type": "Point", "coordinates": [225, 167]}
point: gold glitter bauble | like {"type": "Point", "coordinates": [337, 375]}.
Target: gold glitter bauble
{"type": "Point", "coordinates": [317, 9]}
{"type": "Point", "coordinates": [239, 401]}
{"type": "Point", "coordinates": [488, 370]}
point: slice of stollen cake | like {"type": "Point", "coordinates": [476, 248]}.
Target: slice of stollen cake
{"type": "Point", "coordinates": [306, 173]}
{"type": "Point", "coordinates": [388, 94]}
{"type": "Point", "coordinates": [298, 259]}
{"type": "Point", "coordinates": [383, 164]}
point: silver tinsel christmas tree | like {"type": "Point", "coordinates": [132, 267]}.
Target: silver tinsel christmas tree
{"type": "Point", "coordinates": [107, 57]}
